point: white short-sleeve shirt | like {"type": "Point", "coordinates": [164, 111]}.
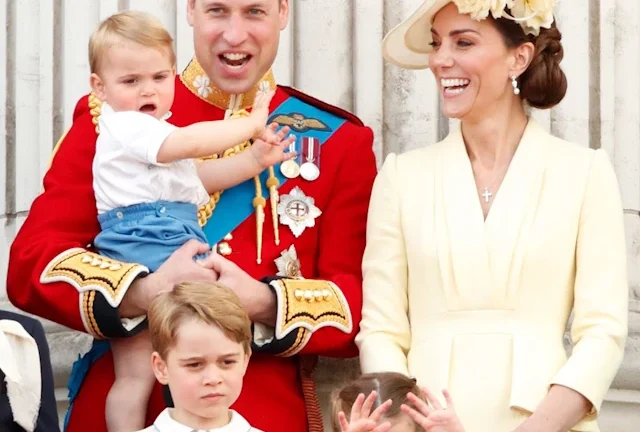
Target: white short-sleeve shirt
{"type": "Point", "coordinates": [165, 423]}
{"type": "Point", "coordinates": [125, 166]}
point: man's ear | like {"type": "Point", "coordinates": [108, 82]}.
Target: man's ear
{"type": "Point", "coordinates": [191, 9]}
{"type": "Point", "coordinates": [97, 86]}
{"type": "Point", "coordinates": [284, 13]}
{"type": "Point", "coordinates": [159, 367]}
{"type": "Point", "coordinates": [245, 364]}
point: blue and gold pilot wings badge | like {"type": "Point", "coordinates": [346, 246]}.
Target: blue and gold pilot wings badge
{"type": "Point", "coordinates": [298, 122]}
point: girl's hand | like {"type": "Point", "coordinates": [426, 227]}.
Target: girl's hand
{"type": "Point", "coordinates": [434, 418]}
{"type": "Point", "coordinates": [362, 419]}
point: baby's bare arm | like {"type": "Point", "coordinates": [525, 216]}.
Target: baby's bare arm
{"type": "Point", "coordinates": [132, 356]}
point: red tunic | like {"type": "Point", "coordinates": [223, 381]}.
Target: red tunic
{"type": "Point", "coordinates": [48, 278]}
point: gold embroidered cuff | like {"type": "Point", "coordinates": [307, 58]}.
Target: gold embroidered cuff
{"type": "Point", "coordinates": [88, 271]}
{"type": "Point", "coordinates": [309, 305]}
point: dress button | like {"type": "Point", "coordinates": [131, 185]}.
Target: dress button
{"type": "Point", "coordinates": [119, 215]}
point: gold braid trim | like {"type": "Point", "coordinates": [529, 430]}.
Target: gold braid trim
{"type": "Point", "coordinates": [272, 184]}
{"type": "Point", "coordinates": [258, 203]}
{"type": "Point", "coordinates": [301, 341]}
{"type": "Point", "coordinates": [95, 108]}
{"type": "Point", "coordinates": [205, 211]}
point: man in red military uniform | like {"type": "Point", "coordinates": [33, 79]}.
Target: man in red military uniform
{"type": "Point", "coordinates": [290, 241]}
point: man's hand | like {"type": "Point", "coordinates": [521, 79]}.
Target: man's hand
{"type": "Point", "coordinates": [362, 419]}
{"type": "Point", "coordinates": [256, 297]}
{"type": "Point", "coordinates": [271, 147]}
{"type": "Point", "coordinates": [179, 267]}
{"type": "Point", "coordinates": [434, 418]}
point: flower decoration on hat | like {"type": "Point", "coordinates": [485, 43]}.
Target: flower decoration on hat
{"type": "Point", "coordinates": [480, 9]}
{"type": "Point", "coordinates": [530, 14]}
{"type": "Point", "coordinates": [533, 14]}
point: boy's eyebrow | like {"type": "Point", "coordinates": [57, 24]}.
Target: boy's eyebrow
{"type": "Point", "coordinates": [226, 355]}
{"type": "Point", "coordinates": [191, 358]}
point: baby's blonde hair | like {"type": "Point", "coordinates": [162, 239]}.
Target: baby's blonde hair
{"type": "Point", "coordinates": [129, 26]}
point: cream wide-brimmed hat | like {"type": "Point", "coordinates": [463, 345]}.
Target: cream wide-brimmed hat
{"type": "Point", "coordinates": [408, 44]}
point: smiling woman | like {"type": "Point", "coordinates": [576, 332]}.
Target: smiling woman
{"type": "Point", "coordinates": [496, 234]}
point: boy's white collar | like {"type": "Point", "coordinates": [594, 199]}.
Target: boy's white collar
{"type": "Point", "coordinates": [166, 423]}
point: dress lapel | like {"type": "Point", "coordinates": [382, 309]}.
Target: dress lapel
{"type": "Point", "coordinates": [512, 213]}
{"type": "Point", "coordinates": [462, 249]}
{"type": "Point", "coordinates": [481, 260]}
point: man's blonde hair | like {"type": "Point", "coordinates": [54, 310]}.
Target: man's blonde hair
{"type": "Point", "coordinates": [211, 303]}
{"type": "Point", "coordinates": [129, 26]}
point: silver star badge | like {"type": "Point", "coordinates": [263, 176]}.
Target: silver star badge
{"type": "Point", "coordinates": [298, 211]}
{"type": "Point", "coordinates": [288, 263]}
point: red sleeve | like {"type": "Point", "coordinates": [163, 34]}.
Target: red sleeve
{"type": "Point", "coordinates": [326, 322]}
{"type": "Point", "coordinates": [342, 241]}
{"type": "Point", "coordinates": [50, 273]}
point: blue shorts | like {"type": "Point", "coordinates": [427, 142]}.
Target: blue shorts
{"type": "Point", "coordinates": [148, 233]}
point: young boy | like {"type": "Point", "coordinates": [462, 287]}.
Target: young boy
{"type": "Point", "coordinates": [201, 339]}
{"type": "Point", "coordinates": [146, 183]}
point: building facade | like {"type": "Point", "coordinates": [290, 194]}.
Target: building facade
{"type": "Point", "coordinates": [44, 70]}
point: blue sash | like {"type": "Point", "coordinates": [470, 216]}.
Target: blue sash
{"type": "Point", "coordinates": [235, 204]}
{"type": "Point", "coordinates": [234, 207]}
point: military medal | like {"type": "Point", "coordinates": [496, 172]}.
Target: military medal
{"type": "Point", "coordinates": [310, 168]}
{"type": "Point", "coordinates": [290, 169]}
{"type": "Point", "coordinates": [288, 263]}
{"type": "Point", "coordinates": [298, 211]}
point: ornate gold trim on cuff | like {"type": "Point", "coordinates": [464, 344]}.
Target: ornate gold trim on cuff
{"type": "Point", "coordinates": [301, 341]}
{"type": "Point", "coordinates": [88, 271]}
{"type": "Point", "coordinates": [311, 305]}
{"type": "Point", "coordinates": [86, 313]}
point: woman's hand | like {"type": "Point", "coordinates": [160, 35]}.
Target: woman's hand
{"type": "Point", "coordinates": [362, 419]}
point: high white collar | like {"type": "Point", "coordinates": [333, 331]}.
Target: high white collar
{"type": "Point", "coordinates": [166, 423]}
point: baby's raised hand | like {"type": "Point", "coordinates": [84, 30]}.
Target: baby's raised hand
{"type": "Point", "coordinates": [362, 419]}
{"type": "Point", "coordinates": [271, 147]}
{"type": "Point", "coordinates": [433, 418]}
{"type": "Point", "coordinates": [260, 110]}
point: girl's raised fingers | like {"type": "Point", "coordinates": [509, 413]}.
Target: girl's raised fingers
{"type": "Point", "coordinates": [379, 412]}
{"type": "Point", "coordinates": [435, 403]}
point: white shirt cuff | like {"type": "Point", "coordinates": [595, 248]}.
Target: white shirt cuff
{"type": "Point", "coordinates": [262, 334]}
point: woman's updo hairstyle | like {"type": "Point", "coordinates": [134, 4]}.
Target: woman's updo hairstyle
{"type": "Point", "coordinates": [544, 84]}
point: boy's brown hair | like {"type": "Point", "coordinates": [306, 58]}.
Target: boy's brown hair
{"type": "Point", "coordinates": [128, 26]}
{"type": "Point", "coordinates": [211, 303]}
{"type": "Point", "coordinates": [388, 385]}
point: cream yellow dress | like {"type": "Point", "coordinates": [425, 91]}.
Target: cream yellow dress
{"type": "Point", "coordinates": [480, 306]}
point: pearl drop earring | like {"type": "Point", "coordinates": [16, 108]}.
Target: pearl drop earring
{"type": "Point", "coordinates": [514, 83]}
